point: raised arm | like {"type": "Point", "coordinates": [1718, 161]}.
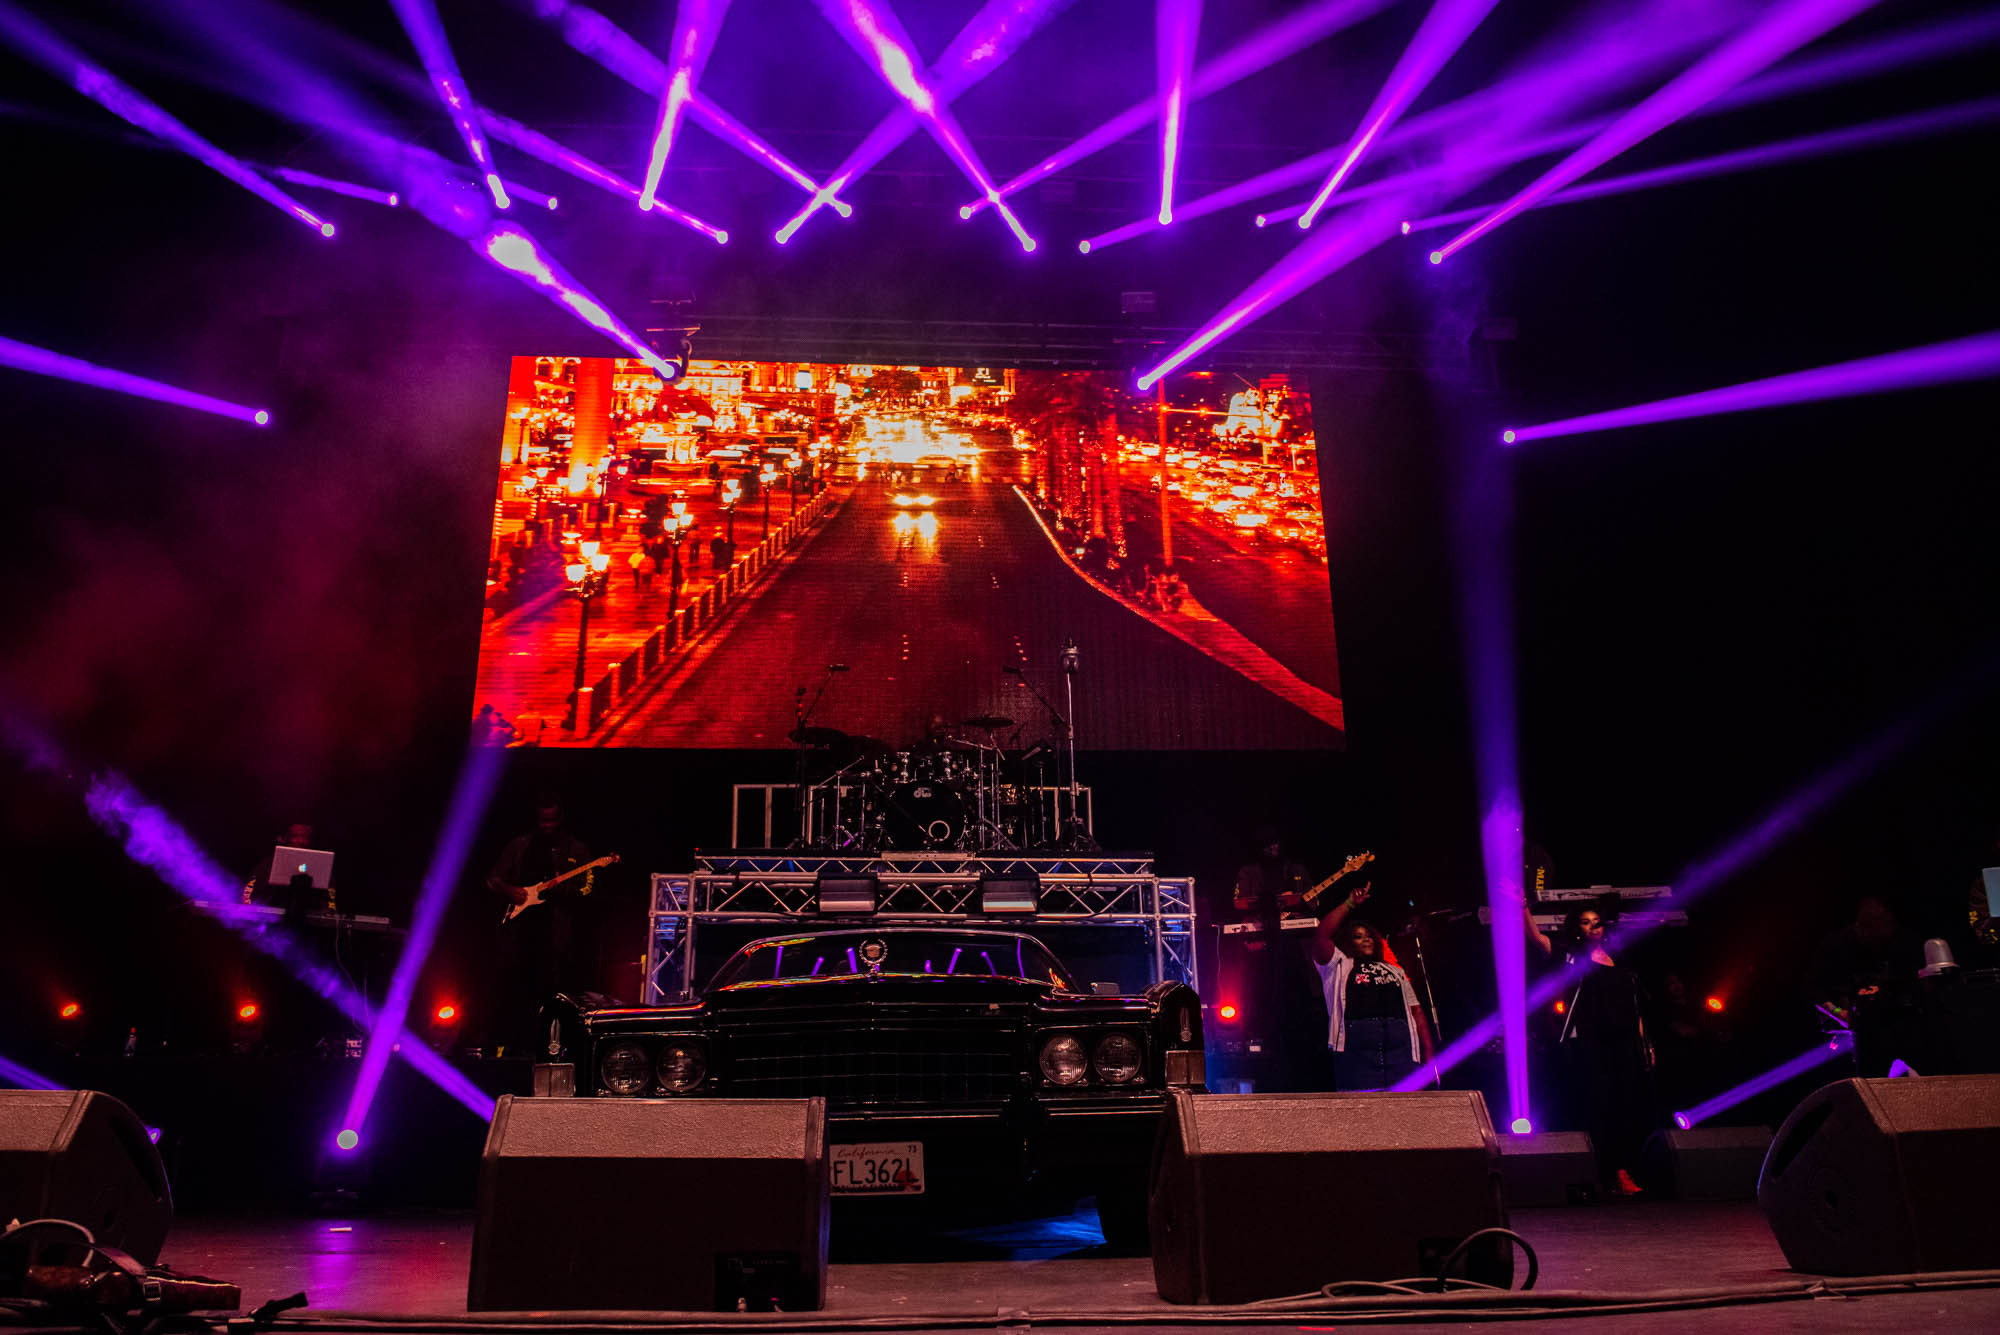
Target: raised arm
{"type": "Point", "coordinates": [1536, 936]}
{"type": "Point", "coordinates": [1329, 926]}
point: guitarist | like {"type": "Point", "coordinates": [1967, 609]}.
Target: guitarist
{"type": "Point", "coordinates": [538, 948]}
{"type": "Point", "coordinates": [1278, 980]}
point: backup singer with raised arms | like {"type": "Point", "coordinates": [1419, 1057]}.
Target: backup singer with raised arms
{"type": "Point", "coordinates": [1376, 1028]}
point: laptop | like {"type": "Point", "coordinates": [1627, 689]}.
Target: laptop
{"type": "Point", "coordinates": [312, 862]}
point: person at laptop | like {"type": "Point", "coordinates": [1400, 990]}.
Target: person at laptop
{"type": "Point", "coordinates": [259, 888]}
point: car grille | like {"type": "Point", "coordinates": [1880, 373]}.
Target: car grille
{"type": "Point", "coordinates": [876, 1062]}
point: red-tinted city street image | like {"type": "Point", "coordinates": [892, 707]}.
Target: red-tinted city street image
{"type": "Point", "coordinates": [763, 553]}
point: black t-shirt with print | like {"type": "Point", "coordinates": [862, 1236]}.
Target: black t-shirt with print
{"type": "Point", "coordinates": [1373, 992]}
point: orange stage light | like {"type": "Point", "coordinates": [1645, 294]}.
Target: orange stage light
{"type": "Point", "coordinates": [1715, 1003]}
{"type": "Point", "coordinates": [70, 1010]}
{"type": "Point", "coordinates": [1226, 1011]}
{"type": "Point", "coordinates": [447, 1013]}
{"type": "Point", "coordinates": [1560, 1008]}
{"type": "Point", "coordinates": [249, 1010]}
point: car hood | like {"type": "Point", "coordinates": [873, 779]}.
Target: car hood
{"type": "Point", "coordinates": [847, 989]}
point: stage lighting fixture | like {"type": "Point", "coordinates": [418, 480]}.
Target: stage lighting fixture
{"type": "Point", "coordinates": [1438, 38]}
{"type": "Point", "coordinates": [1522, 1127]}
{"type": "Point", "coordinates": [40, 361]}
{"type": "Point", "coordinates": [1974, 358]}
{"type": "Point", "coordinates": [696, 25]}
{"type": "Point", "coordinates": [445, 1014]}
{"type": "Point", "coordinates": [420, 20]}
{"type": "Point", "coordinates": [1561, 1006]}
{"type": "Point", "coordinates": [248, 1011]}
{"type": "Point", "coordinates": [1715, 1004]}
{"type": "Point", "coordinates": [518, 253]}
{"type": "Point", "coordinates": [844, 894]}
{"type": "Point", "coordinates": [347, 1141]}
{"type": "Point", "coordinates": [33, 39]}
{"type": "Point", "coordinates": [1000, 893]}
{"type": "Point", "coordinates": [1226, 1011]}
{"type": "Point", "coordinates": [69, 1010]}
{"type": "Point", "coordinates": [1176, 24]}
{"type": "Point", "coordinates": [533, 197]}
{"type": "Point", "coordinates": [1782, 30]}
{"type": "Point", "coordinates": [1265, 47]}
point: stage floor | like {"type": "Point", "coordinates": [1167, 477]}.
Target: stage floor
{"type": "Point", "coordinates": [1056, 1271]}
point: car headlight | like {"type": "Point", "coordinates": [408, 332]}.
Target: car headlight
{"type": "Point", "coordinates": [623, 1068]}
{"type": "Point", "coordinates": [1062, 1060]}
{"type": "Point", "coordinates": [1116, 1059]}
{"type": "Point", "coordinates": [681, 1068]}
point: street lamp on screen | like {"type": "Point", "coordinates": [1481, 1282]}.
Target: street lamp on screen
{"type": "Point", "coordinates": [588, 581]}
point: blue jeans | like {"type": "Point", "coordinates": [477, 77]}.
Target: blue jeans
{"type": "Point", "coordinates": [1377, 1055]}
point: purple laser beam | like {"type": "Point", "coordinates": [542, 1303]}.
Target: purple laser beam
{"type": "Point", "coordinates": [152, 839]}
{"type": "Point", "coordinates": [21, 1077]}
{"type": "Point", "coordinates": [1973, 358]}
{"type": "Point", "coordinates": [40, 361]}
{"type": "Point", "coordinates": [1437, 40]}
{"type": "Point", "coordinates": [981, 46]}
{"type": "Point", "coordinates": [539, 146]}
{"type": "Point", "coordinates": [590, 34]}
{"type": "Point", "coordinates": [1176, 25]}
{"type": "Point", "coordinates": [1875, 134]}
{"type": "Point", "coordinates": [476, 782]}
{"type": "Point", "coordinates": [1814, 1057]}
{"type": "Point", "coordinates": [1781, 31]}
{"type": "Point", "coordinates": [420, 20]}
{"type": "Point", "coordinates": [40, 44]}
{"type": "Point", "coordinates": [520, 254]}
{"type": "Point", "coordinates": [1747, 847]}
{"type": "Point", "coordinates": [384, 197]}
{"type": "Point", "coordinates": [697, 23]}
{"type": "Point", "coordinates": [1262, 49]}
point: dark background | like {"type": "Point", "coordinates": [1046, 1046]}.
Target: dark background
{"type": "Point", "coordinates": [261, 626]}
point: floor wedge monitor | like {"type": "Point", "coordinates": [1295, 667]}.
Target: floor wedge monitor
{"type": "Point", "coordinates": [86, 1157]}
{"type": "Point", "coordinates": [1870, 1177]}
{"type": "Point", "coordinates": [1265, 1195]}
{"type": "Point", "coordinates": [652, 1204]}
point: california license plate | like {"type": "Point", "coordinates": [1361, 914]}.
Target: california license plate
{"type": "Point", "coordinates": [882, 1169]}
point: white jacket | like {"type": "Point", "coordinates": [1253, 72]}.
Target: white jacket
{"type": "Point", "coordinates": [1333, 982]}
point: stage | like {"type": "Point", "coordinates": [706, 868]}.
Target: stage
{"type": "Point", "coordinates": [1638, 1266]}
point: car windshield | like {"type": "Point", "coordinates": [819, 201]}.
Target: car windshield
{"type": "Point", "coordinates": [895, 954]}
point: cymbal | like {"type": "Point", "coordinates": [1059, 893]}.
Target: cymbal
{"type": "Point", "coordinates": [988, 721]}
{"type": "Point", "coordinates": [818, 737]}
{"type": "Point", "coordinates": [856, 742]}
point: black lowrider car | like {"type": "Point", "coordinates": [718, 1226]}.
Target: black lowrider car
{"type": "Point", "coordinates": [949, 1058]}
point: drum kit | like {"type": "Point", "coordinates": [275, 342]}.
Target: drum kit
{"type": "Point", "coordinates": [961, 790]}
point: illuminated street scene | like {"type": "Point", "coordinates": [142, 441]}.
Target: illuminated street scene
{"type": "Point", "coordinates": [938, 533]}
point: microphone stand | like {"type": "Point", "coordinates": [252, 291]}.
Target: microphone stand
{"type": "Point", "coordinates": [1061, 722]}
{"type": "Point", "coordinates": [802, 710]}
{"type": "Point", "coordinates": [1430, 999]}
{"type": "Point", "coordinates": [1071, 660]}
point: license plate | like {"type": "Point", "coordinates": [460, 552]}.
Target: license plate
{"type": "Point", "coordinates": [885, 1169]}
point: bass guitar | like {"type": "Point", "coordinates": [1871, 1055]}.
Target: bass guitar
{"type": "Point", "coordinates": [1353, 864]}
{"type": "Point", "coordinates": [535, 892]}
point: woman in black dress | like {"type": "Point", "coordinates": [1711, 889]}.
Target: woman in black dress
{"type": "Point", "coordinates": [1607, 1059]}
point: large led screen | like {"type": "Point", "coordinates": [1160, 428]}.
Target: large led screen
{"type": "Point", "coordinates": [761, 551]}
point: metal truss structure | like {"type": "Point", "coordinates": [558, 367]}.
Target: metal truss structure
{"type": "Point", "coordinates": [780, 891]}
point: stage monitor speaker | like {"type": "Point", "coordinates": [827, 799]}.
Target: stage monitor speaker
{"type": "Point", "coordinates": [1264, 1195]}
{"type": "Point", "coordinates": [1888, 1177]}
{"type": "Point", "coordinates": [86, 1157]}
{"type": "Point", "coordinates": [1705, 1163]}
{"type": "Point", "coordinates": [652, 1204]}
{"type": "Point", "coordinates": [1548, 1168]}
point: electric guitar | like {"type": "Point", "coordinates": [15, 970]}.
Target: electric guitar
{"type": "Point", "coordinates": [535, 892]}
{"type": "Point", "coordinates": [1353, 864]}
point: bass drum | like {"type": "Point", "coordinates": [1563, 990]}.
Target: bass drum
{"type": "Point", "coordinates": [923, 815]}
